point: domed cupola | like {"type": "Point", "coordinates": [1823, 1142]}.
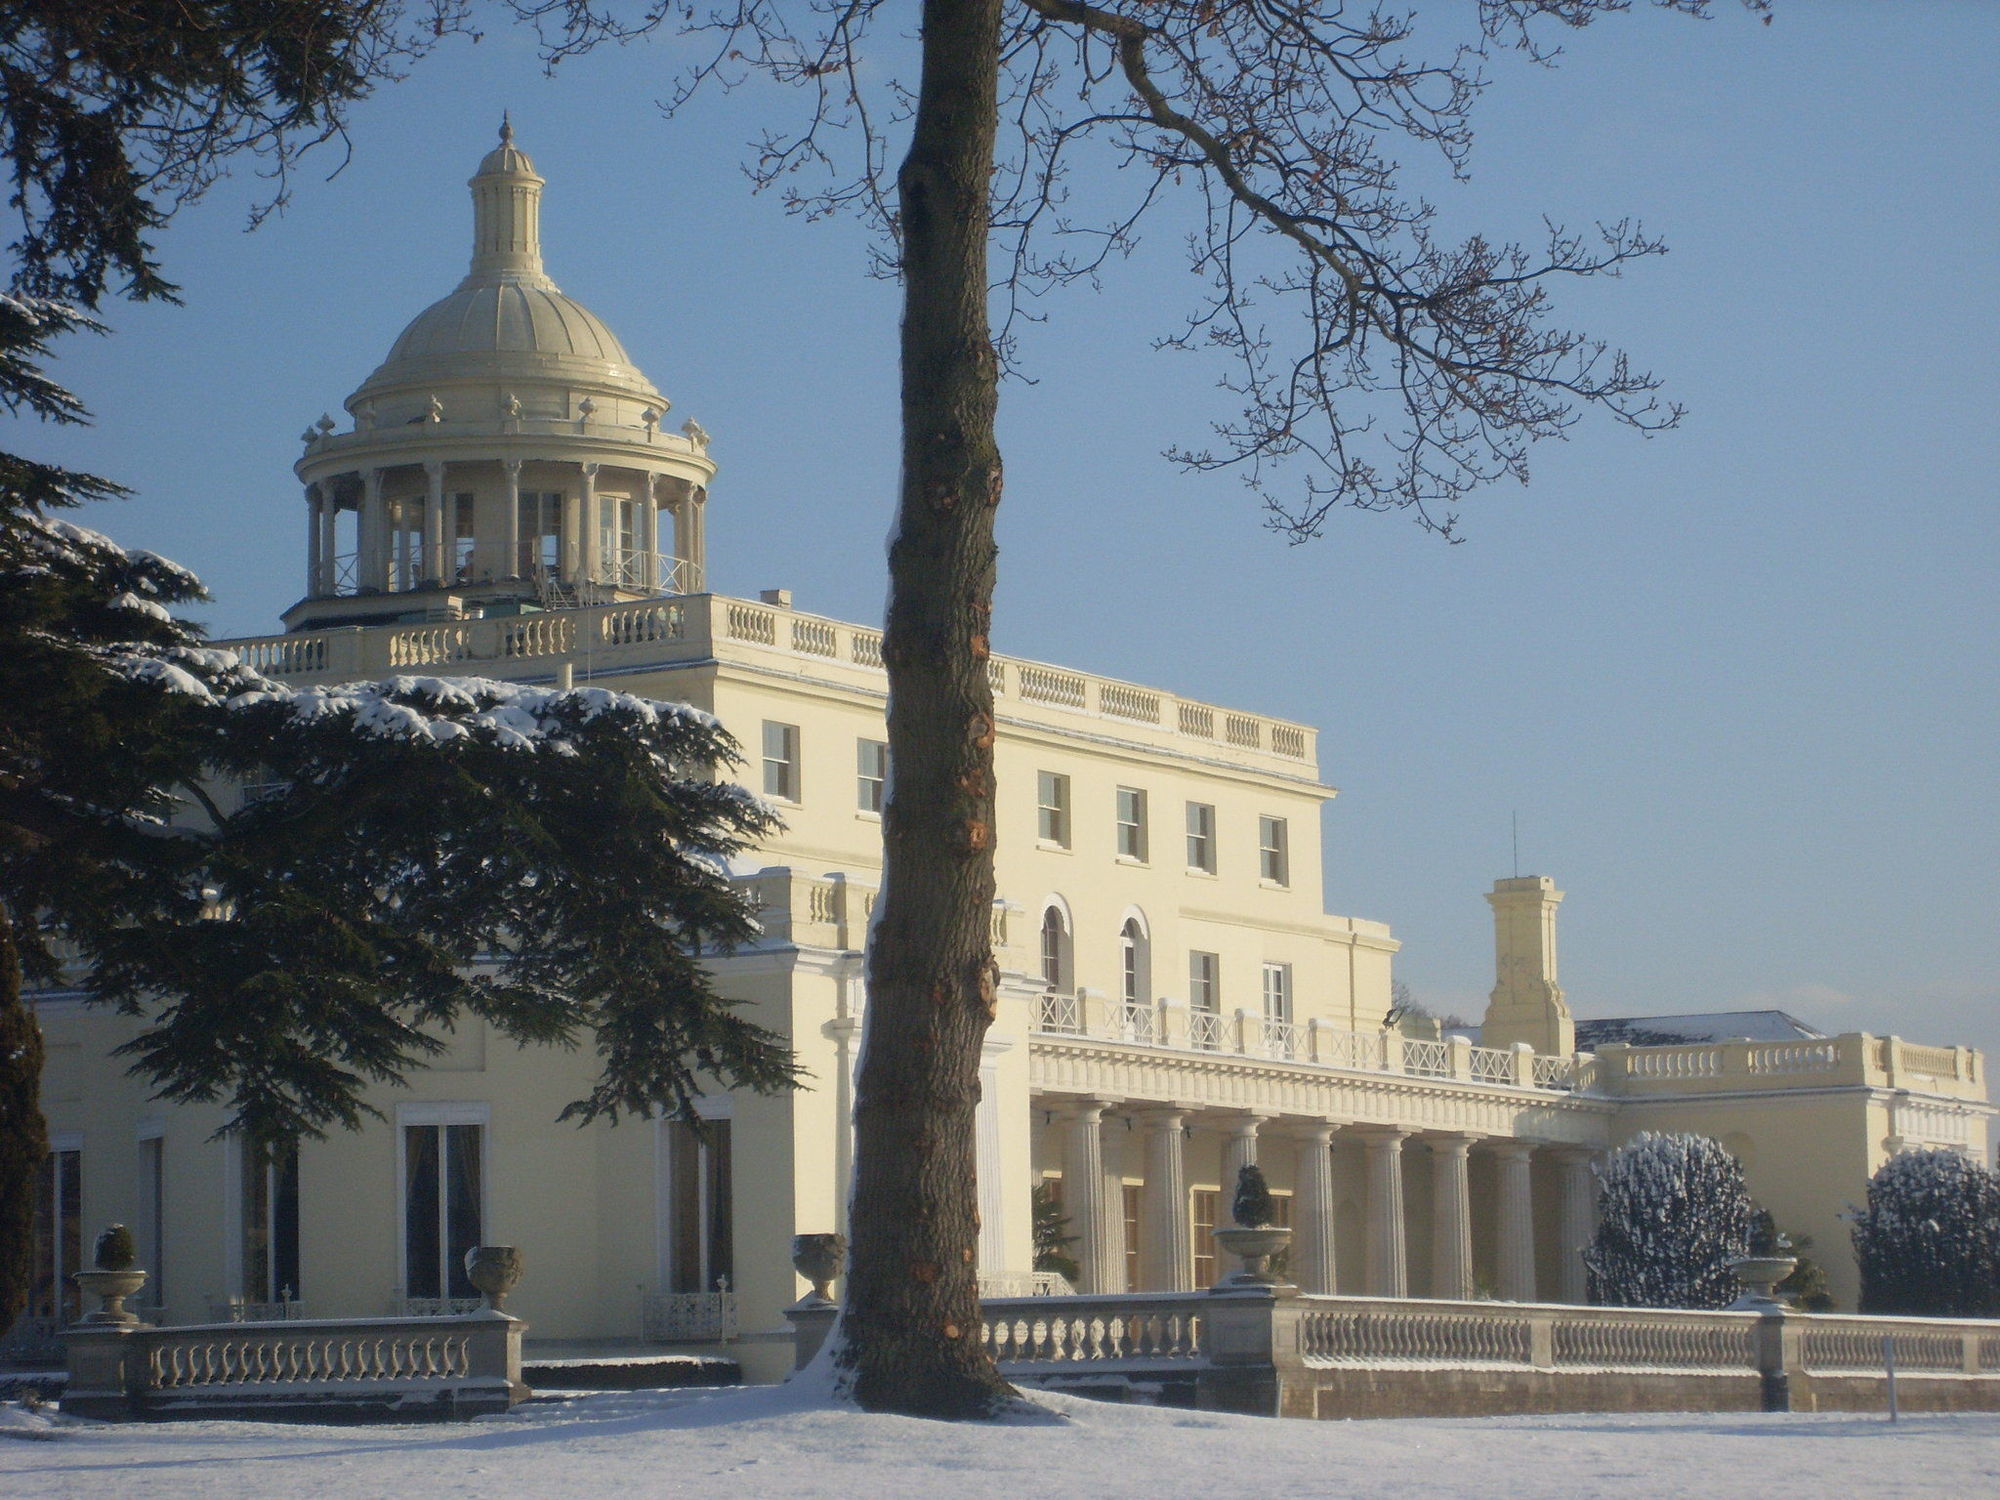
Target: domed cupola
{"type": "Point", "coordinates": [508, 453]}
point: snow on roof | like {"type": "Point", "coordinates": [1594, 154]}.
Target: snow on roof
{"type": "Point", "coordinates": [1704, 1026]}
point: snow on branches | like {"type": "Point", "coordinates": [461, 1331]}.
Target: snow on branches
{"type": "Point", "coordinates": [1928, 1242]}
{"type": "Point", "coordinates": [1672, 1215]}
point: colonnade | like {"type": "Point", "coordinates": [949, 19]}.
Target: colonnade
{"type": "Point", "coordinates": [406, 542]}
{"type": "Point", "coordinates": [1092, 1202]}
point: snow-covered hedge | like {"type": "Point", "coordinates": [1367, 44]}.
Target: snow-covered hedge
{"type": "Point", "coordinates": [1928, 1242]}
{"type": "Point", "coordinates": [1672, 1215]}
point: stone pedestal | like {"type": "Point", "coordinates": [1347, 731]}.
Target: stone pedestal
{"type": "Point", "coordinates": [812, 1319]}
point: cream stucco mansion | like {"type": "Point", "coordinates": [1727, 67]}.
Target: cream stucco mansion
{"type": "Point", "coordinates": [510, 500]}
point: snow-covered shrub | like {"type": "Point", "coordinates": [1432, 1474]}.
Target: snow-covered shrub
{"type": "Point", "coordinates": [1672, 1215]}
{"type": "Point", "coordinates": [1929, 1240]}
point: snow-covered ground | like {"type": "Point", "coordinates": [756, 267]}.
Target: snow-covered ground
{"type": "Point", "coordinates": [768, 1442]}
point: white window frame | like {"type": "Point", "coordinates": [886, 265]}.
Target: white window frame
{"type": "Point", "coordinates": [1278, 992]}
{"type": "Point", "coordinates": [1201, 837]}
{"type": "Point", "coordinates": [712, 1108]}
{"type": "Point", "coordinates": [783, 767]}
{"type": "Point", "coordinates": [152, 1214]}
{"type": "Point", "coordinates": [1052, 810]}
{"type": "Point", "coordinates": [441, 1113]}
{"type": "Point", "coordinates": [871, 784]}
{"type": "Point", "coordinates": [1130, 811]}
{"type": "Point", "coordinates": [1135, 960]}
{"type": "Point", "coordinates": [1064, 980]}
{"type": "Point", "coordinates": [1204, 972]}
{"type": "Point", "coordinates": [1274, 850]}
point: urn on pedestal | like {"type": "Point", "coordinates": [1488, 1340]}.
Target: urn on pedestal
{"type": "Point", "coordinates": [495, 1270]}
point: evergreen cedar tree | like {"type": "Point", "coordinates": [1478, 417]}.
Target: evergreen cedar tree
{"type": "Point", "coordinates": [1928, 1242]}
{"type": "Point", "coordinates": [1252, 1207]}
{"type": "Point", "coordinates": [1403, 373]}
{"type": "Point", "coordinates": [1052, 1236]}
{"type": "Point", "coordinates": [1672, 1215]}
{"type": "Point", "coordinates": [421, 851]}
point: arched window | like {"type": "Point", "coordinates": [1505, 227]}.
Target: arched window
{"type": "Point", "coordinates": [1135, 962]}
{"type": "Point", "coordinates": [1055, 950]}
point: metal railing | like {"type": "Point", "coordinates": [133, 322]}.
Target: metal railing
{"type": "Point", "coordinates": [689, 1317]}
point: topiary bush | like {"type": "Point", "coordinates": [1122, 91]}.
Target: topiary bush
{"type": "Point", "coordinates": [1672, 1215]}
{"type": "Point", "coordinates": [1928, 1243]}
{"type": "Point", "coordinates": [1252, 1207]}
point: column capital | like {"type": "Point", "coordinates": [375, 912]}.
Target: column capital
{"type": "Point", "coordinates": [1308, 1131]}
{"type": "Point", "coordinates": [1173, 1112]}
{"type": "Point", "coordinates": [1082, 1107]}
{"type": "Point", "coordinates": [1381, 1137]}
{"type": "Point", "coordinates": [1243, 1121]}
{"type": "Point", "coordinates": [590, 470]}
{"type": "Point", "coordinates": [1508, 1148]}
{"type": "Point", "coordinates": [512, 466]}
{"type": "Point", "coordinates": [434, 467]}
{"type": "Point", "coordinates": [1454, 1142]}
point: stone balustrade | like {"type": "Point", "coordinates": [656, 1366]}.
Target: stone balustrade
{"type": "Point", "coordinates": [401, 1369]}
{"type": "Point", "coordinates": [1851, 1059]}
{"type": "Point", "coordinates": [1279, 1353]}
{"type": "Point", "coordinates": [697, 627]}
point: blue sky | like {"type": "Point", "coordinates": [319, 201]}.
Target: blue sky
{"type": "Point", "coordinates": [1738, 682]}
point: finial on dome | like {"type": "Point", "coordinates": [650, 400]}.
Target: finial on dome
{"type": "Point", "coordinates": [506, 129]}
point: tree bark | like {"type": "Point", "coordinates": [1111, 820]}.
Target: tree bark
{"type": "Point", "coordinates": [24, 1140]}
{"type": "Point", "coordinates": [910, 1336]}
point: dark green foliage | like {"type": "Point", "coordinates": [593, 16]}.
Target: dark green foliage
{"type": "Point", "coordinates": [1052, 1236]}
{"type": "Point", "coordinates": [1928, 1242]}
{"type": "Point", "coordinates": [1807, 1287]}
{"type": "Point", "coordinates": [1672, 1215]}
{"type": "Point", "coordinates": [24, 1140]}
{"type": "Point", "coordinates": [1252, 1207]}
{"type": "Point", "coordinates": [115, 1250]}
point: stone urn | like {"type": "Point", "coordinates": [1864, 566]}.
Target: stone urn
{"type": "Point", "coordinates": [114, 1279]}
{"type": "Point", "coordinates": [819, 1258]}
{"type": "Point", "coordinates": [495, 1270]}
{"type": "Point", "coordinates": [1760, 1275]}
{"type": "Point", "coordinates": [1253, 1246]}
{"type": "Point", "coordinates": [111, 1288]}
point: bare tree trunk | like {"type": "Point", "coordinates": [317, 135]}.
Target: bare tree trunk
{"type": "Point", "coordinates": [911, 1330]}
{"type": "Point", "coordinates": [24, 1140]}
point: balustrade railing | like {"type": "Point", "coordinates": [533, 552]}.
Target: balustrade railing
{"type": "Point", "coordinates": [581, 616]}
{"type": "Point", "coordinates": [1835, 1345]}
{"type": "Point", "coordinates": [1207, 1030]}
{"type": "Point", "coordinates": [1030, 1284]}
{"type": "Point", "coordinates": [1061, 1014]}
{"type": "Point", "coordinates": [435, 1307]}
{"type": "Point", "coordinates": [1633, 1340]}
{"type": "Point", "coordinates": [1139, 1022]}
{"type": "Point", "coordinates": [1362, 1334]}
{"type": "Point", "coordinates": [1492, 1065]}
{"type": "Point", "coordinates": [1552, 1072]}
{"type": "Point", "coordinates": [306, 1354]}
{"type": "Point", "coordinates": [1284, 1039]}
{"type": "Point", "coordinates": [1424, 1059]}
{"type": "Point", "coordinates": [1149, 1329]}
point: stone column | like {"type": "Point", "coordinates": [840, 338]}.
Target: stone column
{"type": "Point", "coordinates": [402, 576]}
{"type": "Point", "coordinates": [1083, 1194]}
{"type": "Point", "coordinates": [1166, 1257]}
{"type": "Point", "coordinates": [1451, 1218]}
{"type": "Point", "coordinates": [593, 532]}
{"type": "Point", "coordinates": [697, 554]}
{"type": "Point", "coordinates": [314, 568]}
{"type": "Point", "coordinates": [507, 556]}
{"type": "Point", "coordinates": [1517, 1221]}
{"type": "Point", "coordinates": [434, 522]}
{"type": "Point", "coordinates": [373, 564]}
{"type": "Point", "coordinates": [1239, 1150]}
{"type": "Point", "coordinates": [649, 512]}
{"type": "Point", "coordinates": [329, 539]}
{"type": "Point", "coordinates": [1388, 1271]}
{"type": "Point", "coordinates": [1312, 1212]}
{"type": "Point", "coordinates": [1576, 1223]}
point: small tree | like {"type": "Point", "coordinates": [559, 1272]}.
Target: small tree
{"type": "Point", "coordinates": [1928, 1242]}
{"type": "Point", "coordinates": [1052, 1236]}
{"type": "Point", "coordinates": [1253, 1207]}
{"type": "Point", "coordinates": [1673, 1214]}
